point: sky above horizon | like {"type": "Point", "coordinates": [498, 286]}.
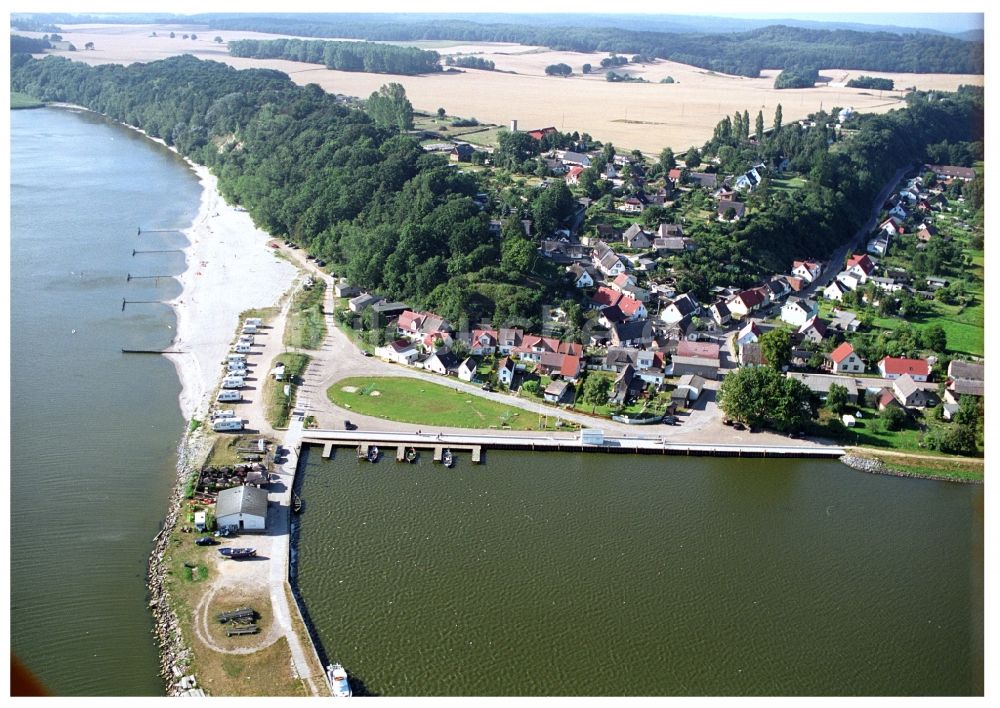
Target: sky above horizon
{"type": "Point", "coordinates": [964, 15]}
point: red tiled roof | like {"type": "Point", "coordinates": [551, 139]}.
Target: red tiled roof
{"type": "Point", "coordinates": [410, 320]}
{"type": "Point", "coordinates": [750, 298]}
{"type": "Point", "coordinates": [841, 352]}
{"type": "Point", "coordinates": [885, 398]}
{"type": "Point", "coordinates": [674, 174]}
{"type": "Point", "coordinates": [900, 366]}
{"type": "Point", "coordinates": [703, 350]}
{"type": "Point", "coordinates": [606, 297]}
{"type": "Point", "coordinates": [629, 305]}
{"type": "Point", "coordinates": [863, 261]}
{"type": "Point", "coordinates": [570, 366]}
{"type": "Point", "coordinates": [622, 279]}
{"type": "Point", "coordinates": [794, 283]}
{"type": "Point", "coordinates": [575, 171]}
{"type": "Point", "coordinates": [490, 333]}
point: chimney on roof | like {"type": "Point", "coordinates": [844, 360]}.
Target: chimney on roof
{"type": "Point", "coordinates": [513, 125]}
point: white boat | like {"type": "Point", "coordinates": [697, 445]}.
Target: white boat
{"type": "Point", "coordinates": [337, 677]}
{"type": "Point", "coordinates": [447, 458]}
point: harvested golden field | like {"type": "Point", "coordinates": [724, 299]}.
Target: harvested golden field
{"type": "Point", "coordinates": [647, 116]}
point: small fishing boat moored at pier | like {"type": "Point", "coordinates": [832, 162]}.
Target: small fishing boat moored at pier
{"type": "Point", "coordinates": [337, 677]}
{"type": "Point", "coordinates": [447, 459]}
{"type": "Point", "coordinates": [411, 455]}
{"type": "Point", "coordinates": [373, 453]}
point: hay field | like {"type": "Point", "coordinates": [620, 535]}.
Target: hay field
{"type": "Point", "coordinates": [646, 116]}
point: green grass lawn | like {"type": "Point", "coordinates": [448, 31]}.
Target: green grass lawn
{"type": "Point", "coordinates": [23, 100]}
{"type": "Point", "coordinates": [306, 325]}
{"type": "Point", "coordinates": [413, 401]}
{"type": "Point", "coordinates": [278, 406]}
{"type": "Point", "coordinates": [870, 432]}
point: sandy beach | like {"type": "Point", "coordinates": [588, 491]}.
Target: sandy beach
{"type": "Point", "coordinates": [230, 269]}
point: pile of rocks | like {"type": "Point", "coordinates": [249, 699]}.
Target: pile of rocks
{"type": "Point", "coordinates": [866, 464]}
{"type": "Point", "coordinates": [174, 655]}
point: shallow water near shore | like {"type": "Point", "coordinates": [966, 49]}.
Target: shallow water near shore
{"type": "Point", "coordinates": [608, 575]}
{"type": "Point", "coordinates": [93, 432]}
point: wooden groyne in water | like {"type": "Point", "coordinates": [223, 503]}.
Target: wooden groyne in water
{"type": "Point", "coordinates": [476, 443]}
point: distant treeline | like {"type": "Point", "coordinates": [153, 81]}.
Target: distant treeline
{"type": "Point", "coordinates": [743, 53]}
{"type": "Point", "coordinates": [871, 82]}
{"type": "Point", "coordinates": [470, 63]}
{"type": "Point", "coordinates": [342, 56]}
{"type": "Point", "coordinates": [27, 45]}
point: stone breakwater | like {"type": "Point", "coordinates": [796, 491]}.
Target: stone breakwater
{"type": "Point", "coordinates": [175, 655]}
{"type": "Point", "coordinates": [867, 464]}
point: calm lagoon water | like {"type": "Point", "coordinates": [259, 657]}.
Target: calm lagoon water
{"type": "Point", "coordinates": [93, 432]}
{"type": "Point", "coordinates": [557, 574]}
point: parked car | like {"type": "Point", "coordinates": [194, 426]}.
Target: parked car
{"type": "Point", "coordinates": [205, 541]}
{"type": "Point", "coordinates": [487, 387]}
{"type": "Point", "coordinates": [365, 353]}
{"type": "Point", "coordinates": [670, 420]}
{"type": "Point", "coordinates": [348, 425]}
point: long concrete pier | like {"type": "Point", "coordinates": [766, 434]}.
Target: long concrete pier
{"type": "Point", "coordinates": [655, 445]}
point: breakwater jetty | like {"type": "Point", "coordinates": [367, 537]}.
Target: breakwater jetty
{"type": "Point", "coordinates": [651, 445]}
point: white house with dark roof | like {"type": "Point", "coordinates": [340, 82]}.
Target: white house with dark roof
{"type": "Point", "coordinates": [400, 351]}
{"type": "Point", "coordinates": [243, 507]}
{"type": "Point", "coordinates": [467, 369]}
{"type": "Point", "coordinates": [580, 275]}
{"type": "Point", "coordinates": [835, 291]}
{"type": "Point", "coordinates": [797, 311]}
{"type": "Point", "coordinates": [680, 308]}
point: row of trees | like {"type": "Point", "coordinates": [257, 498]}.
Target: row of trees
{"type": "Point", "coordinates": [470, 63]}
{"type": "Point", "coordinates": [742, 53]}
{"type": "Point", "coordinates": [871, 82]}
{"type": "Point", "coordinates": [369, 57]}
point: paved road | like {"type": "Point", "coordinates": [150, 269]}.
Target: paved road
{"type": "Point", "coordinates": [836, 261]}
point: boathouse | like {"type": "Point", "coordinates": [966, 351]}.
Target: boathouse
{"type": "Point", "coordinates": [242, 507]}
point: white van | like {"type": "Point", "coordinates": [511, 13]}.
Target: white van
{"type": "Point", "coordinates": [237, 367]}
{"type": "Point", "coordinates": [229, 396]}
{"type": "Point", "coordinates": [255, 321]}
{"type": "Point", "coordinates": [235, 357]}
{"type": "Point", "coordinates": [223, 414]}
{"type": "Point", "coordinates": [249, 329]}
{"type": "Point", "coordinates": [246, 339]}
{"type": "Point", "coordinates": [242, 348]}
{"type": "Point", "coordinates": [225, 424]}
{"type": "Point", "coordinates": [232, 382]}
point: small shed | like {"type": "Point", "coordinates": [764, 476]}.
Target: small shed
{"type": "Point", "coordinates": [242, 507]}
{"type": "Point", "coordinates": [556, 391]}
{"type": "Point", "coordinates": [199, 520]}
{"type": "Point", "coordinates": [848, 420]}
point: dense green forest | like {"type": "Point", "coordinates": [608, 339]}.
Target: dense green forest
{"type": "Point", "coordinates": [743, 53]}
{"type": "Point", "coordinates": [871, 82]}
{"type": "Point", "coordinates": [343, 56]}
{"type": "Point", "coordinates": [27, 45]}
